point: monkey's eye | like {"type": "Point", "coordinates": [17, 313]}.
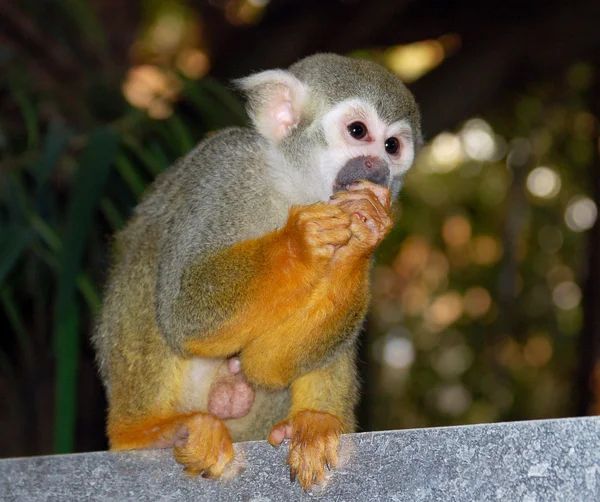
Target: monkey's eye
{"type": "Point", "coordinates": [357, 130]}
{"type": "Point", "coordinates": [392, 145]}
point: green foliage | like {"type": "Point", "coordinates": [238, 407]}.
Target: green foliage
{"type": "Point", "coordinates": [88, 184]}
{"type": "Point", "coordinates": [65, 190]}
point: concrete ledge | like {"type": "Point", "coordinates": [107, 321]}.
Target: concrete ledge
{"type": "Point", "coordinates": [556, 460]}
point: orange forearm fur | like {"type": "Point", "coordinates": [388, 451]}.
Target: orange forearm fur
{"type": "Point", "coordinates": [295, 309]}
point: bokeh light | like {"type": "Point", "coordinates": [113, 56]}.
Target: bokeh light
{"type": "Point", "coordinates": [478, 140]}
{"type": "Point", "coordinates": [486, 249]}
{"type": "Point", "coordinates": [446, 152]}
{"type": "Point", "coordinates": [537, 350]}
{"type": "Point", "coordinates": [152, 89]}
{"type": "Point", "coordinates": [193, 63]}
{"type": "Point", "coordinates": [398, 352]}
{"type": "Point", "coordinates": [445, 310]}
{"type": "Point", "coordinates": [566, 295]}
{"type": "Point", "coordinates": [477, 301]}
{"type": "Point", "coordinates": [456, 231]}
{"type": "Point", "coordinates": [412, 61]}
{"type": "Point", "coordinates": [453, 361]}
{"type": "Point", "coordinates": [166, 32]}
{"type": "Point", "coordinates": [543, 182]}
{"type": "Point", "coordinates": [519, 152]}
{"type": "Point", "coordinates": [581, 214]}
{"type": "Point", "coordinates": [240, 12]}
{"type": "Point", "coordinates": [453, 399]}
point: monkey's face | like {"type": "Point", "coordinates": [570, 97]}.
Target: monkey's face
{"type": "Point", "coordinates": [332, 120]}
{"type": "Point", "coordinates": [361, 145]}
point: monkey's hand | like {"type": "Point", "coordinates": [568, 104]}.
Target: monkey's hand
{"type": "Point", "coordinates": [369, 205]}
{"type": "Point", "coordinates": [206, 448]}
{"type": "Point", "coordinates": [316, 231]}
{"type": "Point", "coordinates": [314, 441]}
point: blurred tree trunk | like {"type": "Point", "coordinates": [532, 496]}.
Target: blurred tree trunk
{"type": "Point", "coordinates": [588, 381]}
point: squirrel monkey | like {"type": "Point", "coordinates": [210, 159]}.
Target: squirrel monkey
{"type": "Point", "coordinates": [239, 286]}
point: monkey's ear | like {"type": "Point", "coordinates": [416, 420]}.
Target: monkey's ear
{"type": "Point", "coordinates": [275, 101]}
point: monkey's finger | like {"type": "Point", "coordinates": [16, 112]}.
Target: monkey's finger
{"type": "Point", "coordinates": [317, 211]}
{"type": "Point", "coordinates": [322, 221]}
{"type": "Point", "coordinates": [362, 194]}
{"type": "Point", "coordinates": [379, 198]}
{"type": "Point", "coordinates": [350, 200]}
{"type": "Point", "coordinates": [371, 195]}
{"type": "Point", "coordinates": [377, 212]}
{"type": "Point", "coordinates": [326, 224]}
{"type": "Point", "coordinates": [332, 217]}
{"type": "Point", "coordinates": [337, 237]}
{"type": "Point", "coordinates": [364, 209]}
{"type": "Point", "coordinates": [381, 192]}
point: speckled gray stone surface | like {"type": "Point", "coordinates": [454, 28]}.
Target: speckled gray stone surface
{"type": "Point", "coordinates": [549, 460]}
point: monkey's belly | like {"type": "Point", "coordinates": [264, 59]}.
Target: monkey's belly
{"type": "Point", "coordinates": [269, 407]}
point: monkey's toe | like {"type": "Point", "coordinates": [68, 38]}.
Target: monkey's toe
{"type": "Point", "coordinates": [280, 432]}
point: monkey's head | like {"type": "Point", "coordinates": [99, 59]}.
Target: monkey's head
{"type": "Point", "coordinates": [332, 120]}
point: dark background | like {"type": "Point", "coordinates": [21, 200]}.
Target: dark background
{"type": "Point", "coordinates": [485, 294]}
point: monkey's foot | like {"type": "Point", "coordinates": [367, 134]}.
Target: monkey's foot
{"type": "Point", "coordinates": [207, 449]}
{"type": "Point", "coordinates": [314, 441]}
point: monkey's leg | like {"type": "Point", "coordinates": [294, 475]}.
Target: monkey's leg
{"type": "Point", "coordinates": [201, 441]}
{"type": "Point", "coordinates": [322, 409]}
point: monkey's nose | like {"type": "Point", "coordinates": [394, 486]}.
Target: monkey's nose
{"type": "Point", "coordinates": [369, 164]}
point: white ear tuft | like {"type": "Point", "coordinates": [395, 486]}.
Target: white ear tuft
{"type": "Point", "coordinates": [275, 101]}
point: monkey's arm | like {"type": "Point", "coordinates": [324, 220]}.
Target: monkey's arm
{"type": "Point", "coordinates": [327, 319]}
{"type": "Point", "coordinates": [249, 290]}
{"type": "Point", "coordinates": [289, 299]}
